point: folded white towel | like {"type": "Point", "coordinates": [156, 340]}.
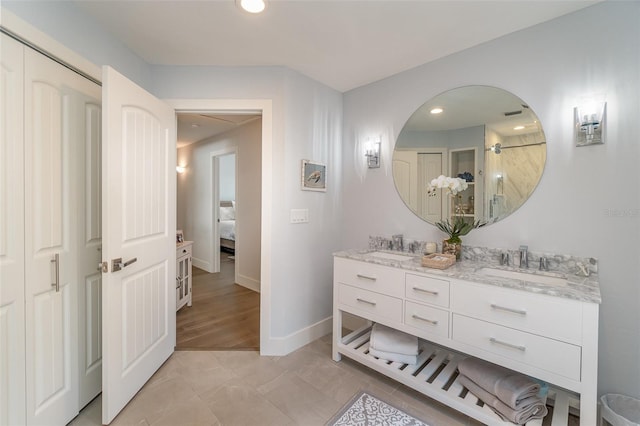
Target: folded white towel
{"type": "Point", "coordinates": [387, 339]}
{"type": "Point", "coordinates": [530, 408]}
{"type": "Point", "coordinates": [509, 386]}
{"type": "Point", "coordinates": [391, 356]}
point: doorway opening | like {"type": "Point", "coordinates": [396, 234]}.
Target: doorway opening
{"type": "Point", "coordinates": [218, 209]}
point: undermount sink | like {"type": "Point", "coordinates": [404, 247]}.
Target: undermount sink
{"type": "Point", "coordinates": [390, 256]}
{"type": "Point", "coordinates": [524, 276]}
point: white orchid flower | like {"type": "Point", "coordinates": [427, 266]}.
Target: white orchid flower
{"type": "Point", "coordinates": [453, 185]}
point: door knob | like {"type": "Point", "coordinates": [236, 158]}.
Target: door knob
{"type": "Point", "coordinates": [117, 264]}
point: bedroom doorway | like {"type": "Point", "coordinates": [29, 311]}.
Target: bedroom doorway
{"type": "Point", "coordinates": [224, 222]}
{"type": "Point", "coordinates": [227, 194]}
{"type": "Point", "coordinates": [216, 204]}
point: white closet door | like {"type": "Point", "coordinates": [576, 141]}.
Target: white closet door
{"type": "Point", "coordinates": [139, 212]}
{"type": "Point", "coordinates": [89, 250]}
{"type": "Point", "coordinates": [52, 117]}
{"type": "Point", "coordinates": [12, 330]}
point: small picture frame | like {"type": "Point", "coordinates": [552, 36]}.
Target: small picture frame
{"type": "Point", "coordinates": [314, 176]}
{"type": "Point", "coordinates": [179, 236]}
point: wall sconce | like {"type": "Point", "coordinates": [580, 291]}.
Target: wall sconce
{"type": "Point", "coordinates": [589, 123]}
{"type": "Point", "coordinates": [181, 169]}
{"type": "Point", "coordinates": [373, 152]}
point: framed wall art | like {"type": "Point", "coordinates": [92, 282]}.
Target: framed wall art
{"type": "Point", "coordinates": [314, 176]}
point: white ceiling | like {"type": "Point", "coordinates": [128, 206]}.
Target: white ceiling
{"type": "Point", "coordinates": [341, 43]}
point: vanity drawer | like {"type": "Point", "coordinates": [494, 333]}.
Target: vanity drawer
{"type": "Point", "coordinates": [372, 277]}
{"type": "Point", "coordinates": [547, 354]}
{"type": "Point", "coordinates": [427, 289]}
{"type": "Point", "coordinates": [426, 319]}
{"type": "Point", "coordinates": [540, 314]}
{"type": "Point", "coordinates": [370, 302]}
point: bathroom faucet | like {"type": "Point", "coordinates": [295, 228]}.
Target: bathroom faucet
{"type": "Point", "coordinates": [544, 264]}
{"type": "Point", "coordinates": [582, 270]}
{"type": "Point", "coordinates": [524, 257]}
{"type": "Point", "coordinates": [397, 242]}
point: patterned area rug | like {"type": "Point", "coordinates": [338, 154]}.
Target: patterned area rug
{"type": "Point", "coordinates": [367, 410]}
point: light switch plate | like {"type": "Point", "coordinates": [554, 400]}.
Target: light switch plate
{"type": "Point", "coordinates": [299, 215]}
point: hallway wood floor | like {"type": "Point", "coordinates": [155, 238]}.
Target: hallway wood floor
{"type": "Point", "coordinates": [224, 315]}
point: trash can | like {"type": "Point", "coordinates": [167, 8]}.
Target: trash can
{"type": "Point", "coordinates": [619, 410]}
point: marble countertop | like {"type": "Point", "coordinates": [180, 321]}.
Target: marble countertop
{"type": "Point", "coordinates": [577, 287]}
{"type": "Point", "coordinates": [183, 244]}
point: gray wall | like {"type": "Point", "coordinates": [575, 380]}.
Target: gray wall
{"type": "Point", "coordinates": [307, 124]}
{"type": "Point", "coordinates": [588, 201]}
{"type": "Point", "coordinates": [228, 176]}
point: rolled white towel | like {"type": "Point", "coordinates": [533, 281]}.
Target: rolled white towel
{"type": "Point", "coordinates": [387, 339]}
{"type": "Point", "coordinates": [392, 356]}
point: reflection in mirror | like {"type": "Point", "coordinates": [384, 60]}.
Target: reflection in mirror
{"type": "Point", "coordinates": [485, 135]}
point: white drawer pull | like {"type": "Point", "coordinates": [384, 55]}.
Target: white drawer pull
{"type": "Point", "coordinates": [424, 319]}
{"type": "Point", "coordinates": [509, 345]}
{"type": "Point", "coordinates": [424, 290]}
{"type": "Point", "coordinates": [513, 311]}
{"type": "Point", "coordinates": [366, 277]}
{"type": "Point", "coordinates": [366, 301]}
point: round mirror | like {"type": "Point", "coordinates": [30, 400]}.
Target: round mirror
{"type": "Point", "coordinates": [484, 135]}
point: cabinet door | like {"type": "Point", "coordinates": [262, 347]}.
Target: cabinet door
{"type": "Point", "coordinates": [53, 125]}
{"type": "Point", "coordinates": [12, 330]}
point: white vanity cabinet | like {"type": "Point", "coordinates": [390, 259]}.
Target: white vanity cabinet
{"type": "Point", "coordinates": [545, 336]}
{"type": "Point", "coordinates": [184, 283]}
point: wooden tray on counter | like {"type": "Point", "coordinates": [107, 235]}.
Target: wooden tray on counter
{"type": "Point", "coordinates": [438, 260]}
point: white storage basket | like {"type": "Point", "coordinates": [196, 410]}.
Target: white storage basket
{"type": "Point", "coordinates": [620, 410]}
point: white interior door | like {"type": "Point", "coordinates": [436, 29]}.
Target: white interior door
{"type": "Point", "coordinates": [405, 166]}
{"type": "Point", "coordinates": [55, 100]}
{"type": "Point", "coordinates": [89, 251]}
{"type": "Point", "coordinates": [429, 168]}
{"type": "Point", "coordinates": [139, 223]}
{"type": "Point", "coordinates": [12, 328]}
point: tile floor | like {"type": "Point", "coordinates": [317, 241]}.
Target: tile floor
{"type": "Point", "coordinates": [305, 387]}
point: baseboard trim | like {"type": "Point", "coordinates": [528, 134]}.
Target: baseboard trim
{"type": "Point", "coordinates": [249, 283]}
{"type": "Point", "coordinates": [281, 346]}
{"type": "Point", "coordinates": [202, 264]}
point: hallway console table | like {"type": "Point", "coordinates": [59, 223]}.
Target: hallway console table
{"type": "Point", "coordinates": [184, 280]}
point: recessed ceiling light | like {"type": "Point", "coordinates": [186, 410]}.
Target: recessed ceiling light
{"type": "Point", "coordinates": [436, 110]}
{"type": "Point", "coordinates": [252, 6]}
{"type": "Point", "coordinates": [518, 128]}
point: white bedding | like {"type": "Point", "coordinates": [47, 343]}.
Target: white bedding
{"type": "Point", "coordinates": [228, 229]}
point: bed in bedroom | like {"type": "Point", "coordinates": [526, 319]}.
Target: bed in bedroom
{"type": "Point", "coordinates": [227, 226]}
